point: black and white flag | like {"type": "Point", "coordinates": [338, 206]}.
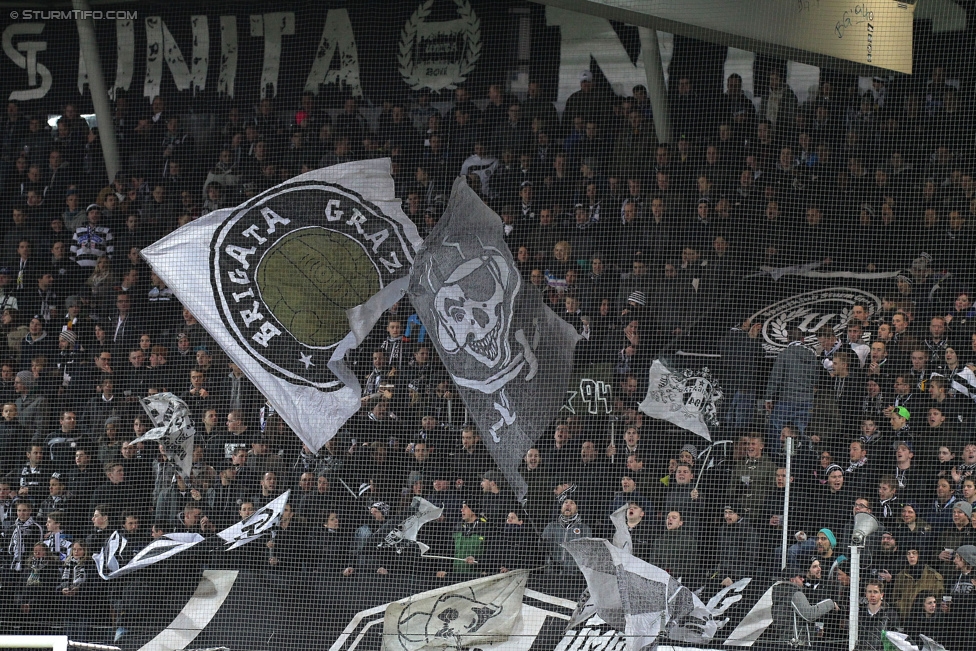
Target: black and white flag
{"type": "Point", "coordinates": [172, 428]}
{"type": "Point", "coordinates": [107, 559]}
{"type": "Point", "coordinates": [263, 521]}
{"type": "Point", "coordinates": [621, 533]}
{"type": "Point", "coordinates": [458, 616]}
{"type": "Point", "coordinates": [423, 512]}
{"type": "Point", "coordinates": [642, 600]}
{"type": "Point", "coordinates": [687, 397]}
{"type": "Point", "coordinates": [509, 354]}
{"type": "Point", "coordinates": [291, 280]}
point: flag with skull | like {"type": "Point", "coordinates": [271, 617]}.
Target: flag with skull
{"type": "Point", "coordinates": [473, 613]}
{"type": "Point", "coordinates": [509, 354]}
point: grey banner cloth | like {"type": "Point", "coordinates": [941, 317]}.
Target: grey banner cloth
{"type": "Point", "coordinates": [509, 354]}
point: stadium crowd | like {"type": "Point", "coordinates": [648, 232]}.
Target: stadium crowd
{"type": "Point", "coordinates": [634, 242]}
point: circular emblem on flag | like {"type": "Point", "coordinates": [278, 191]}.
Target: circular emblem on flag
{"type": "Point", "coordinates": [439, 54]}
{"type": "Point", "coordinates": [288, 265]}
{"type": "Point", "coordinates": [809, 312]}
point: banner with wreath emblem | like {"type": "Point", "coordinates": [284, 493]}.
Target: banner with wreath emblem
{"type": "Point", "coordinates": [807, 298]}
{"type": "Point", "coordinates": [439, 55]}
{"type": "Point", "coordinates": [810, 299]}
{"type": "Point", "coordinates": [217, 55]}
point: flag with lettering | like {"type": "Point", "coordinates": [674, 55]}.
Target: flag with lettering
{"type": "Point", "coordinates": [291, 280]}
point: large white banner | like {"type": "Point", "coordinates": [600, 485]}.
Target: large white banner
{"type": "Point", "coordinates": [290, 281]}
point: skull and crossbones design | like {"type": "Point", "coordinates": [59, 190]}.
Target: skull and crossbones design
{"type": "Point", "coordinates": [474, 308]}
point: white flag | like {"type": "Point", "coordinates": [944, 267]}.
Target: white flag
{"type": "Point", "coordinates": [408, 529]}
{"type": "Point", "coordinates": [901, 641]}
{"type": "Point", "coordinates": [475, 612]}
{"type": "Point", "coordinates": [642, 600]}
{"type": "Point", "coordinates": [621, 534]}
{"type": "Point", "coordinates": [263, 520]}
{"type": "Point", "coordinates": [290, 281]}
{"type": "Point", "coordinates": [168, 546]}
{"type": "Point", "coordinates": [173, 429]}
{"type": "Point", "coordinates": [688, 398]}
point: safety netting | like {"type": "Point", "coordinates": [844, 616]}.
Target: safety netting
{"type": "Point", "coordinates": [488, 324]}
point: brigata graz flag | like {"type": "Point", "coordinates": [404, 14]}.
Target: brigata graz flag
{"type": "Point", "coordinates": [291, 280]}
{"type": "Point", "coordinates": [509, 354]}
{"type": "Point", "coordinates": [458, 616]}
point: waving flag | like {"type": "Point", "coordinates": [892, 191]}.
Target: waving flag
{"type": "Point", "coordinates": [903, 643]}
{"type": "Point", "coordinates": [263, 520]}
{"type": "Point", "coordinates": [642, 600]}
{"type": "Point", "coordinates": [509, 354]}
{"type": "Point", "coordinates": [621, 534]}
{"type": "Point", "coordinates": [424, 512]}
{"type": "Point", "coordinates": [688, 397]}
{"type": "Point", "coordinates": [290, 281]}
{"type": "Point", "coordinates": [171, 544]}
{"type": "Point", "coordinates": [173, 429]}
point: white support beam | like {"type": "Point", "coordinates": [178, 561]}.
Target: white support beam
{"type": "Point", "coordinates": [55, 642]}
{"type": "Point", "coordinates": [858, 37]}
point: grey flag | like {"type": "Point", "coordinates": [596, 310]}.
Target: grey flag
{"type": "Point", "coordinates": [423, 512]}
{"type": "Point", "coordinates": [621, 534]}
{"type": "Point", "coordinates": [687, 397]}
{"type": "Point", "coordinates": [509, 354]}
{"type": "Point", "coordinates": [644, 601]}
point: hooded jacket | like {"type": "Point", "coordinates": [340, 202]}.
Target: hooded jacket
{"type": "Point", "coordinates": [795, 374]}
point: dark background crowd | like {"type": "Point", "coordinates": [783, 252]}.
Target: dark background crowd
{"type": "Point", "coordinates": [639, 245]}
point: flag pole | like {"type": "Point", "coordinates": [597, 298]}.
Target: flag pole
{"type": "Point", "coordinates": [613, 438]}
{"type": "Point", "coordinates": [701, 471]}
{"type": "Point", "coordinates": [786, 501]}
{"type": "Point", "coordinates": [351, 492]}
{"type": "Point", "coordinates": [446, 558]}
{"type": "Point", "coordinates": [855, 594]}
